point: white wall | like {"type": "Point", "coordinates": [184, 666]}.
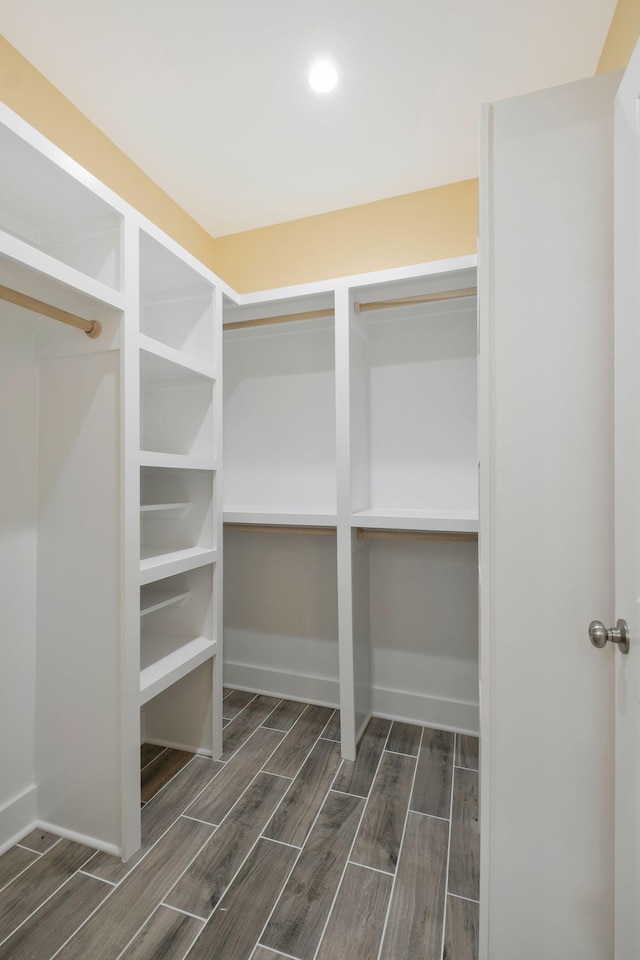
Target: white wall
{"type": "Point", "coordinates": [18, 543]}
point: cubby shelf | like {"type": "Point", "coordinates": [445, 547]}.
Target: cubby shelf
{"type": "Point", "coordinates": [156, 563]}
{"type": "Point", "coordinates": [148, 508]}
{"type": "Point", "coordinates": [175, 461]}
{"type": "Point", "coordinates": [152, 599]}
{"type": "Point", "coordinates": [453, 521]}
{"type": "Point", "coordinates": [166, 659]}
{"type": "Point", "coordinates": [171, 363]}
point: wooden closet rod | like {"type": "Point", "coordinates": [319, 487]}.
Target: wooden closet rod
{"type": "Point", "coordinates": [92, 328]}
{"type": "Point", "coordinates": [266, 528]}
{"type": "Point", "coordinates": [285, 318]}
{"type": "Point", "coordinates": [407, 301]}
{"type": "Point", "coordinates": [362, 534]}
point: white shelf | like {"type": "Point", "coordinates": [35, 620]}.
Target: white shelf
{"type": "Point", "coordinates": [172, 364]}
{"type": "Point", "coordinates": [175, 461]}
{"type": "Point", "coordinates": [454, 521]}
{"type": "Point", "coordinates": [162, 507]}
{"type": "Point", "coordinates": [164, 660]}
{"type": "Point", "coordinates": [156, 563]}
{"type": "Point", "coordinates": [152, 599]}
{"type": "Point", "coordinates": [277, 518]}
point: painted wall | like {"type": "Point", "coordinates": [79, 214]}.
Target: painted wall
{"type": "Point", "coordinates": [622, 37]}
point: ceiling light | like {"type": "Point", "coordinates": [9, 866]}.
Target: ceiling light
{"type": "Point", "coordinates": [323, 76]}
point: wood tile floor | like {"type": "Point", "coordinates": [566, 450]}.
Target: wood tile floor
{"type": "Point", "coordinates": [281, 850]}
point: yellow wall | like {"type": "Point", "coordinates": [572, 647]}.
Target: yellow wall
{"type": "Point", "coordinates": [415, 227]}
{"type": "Point", "coordinates": [622, 37]}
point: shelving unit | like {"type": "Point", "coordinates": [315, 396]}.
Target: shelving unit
{"type": "Point", "coordinates": [364, 421]}
{"type": "Point", "coordinates": [179, 529]}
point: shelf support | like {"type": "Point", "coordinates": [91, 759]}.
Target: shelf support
{"type": "Point", "coordinates": [92, 328]}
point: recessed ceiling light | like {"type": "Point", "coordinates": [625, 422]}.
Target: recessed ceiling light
{"type": "Point", "coordinates": [323, 76]}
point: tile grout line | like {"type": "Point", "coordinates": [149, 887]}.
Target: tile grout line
{"type": "Point", "coordinates": [187, 816]}
{"type": "Point", "coordinates": [457, 896]}
{"type": "Point", "coordinates": [93, 877]}
{"type": "Point", "coordinates": [253, 732]}
{"type": "Point", "coordinates": [399, 753]}
{"type": "Point", "coordinates": [353, 843]}
{"type": "Point", "coordinates": [185, 913]}
{"type": "Point", "coordinates": [432, 816]}
{"type": "Point", "coordinates": [446, 880]}
{"type": "Point", "coordinates": [281, 842]}
{"type": "Point", "coordinates": [157, 757]}
{"type": "Point", "coordinates": [400, 849]}
{"type": "Point", "coordinates": [176, 774]}
{"type": "Point", "coordinates": [19, 874]}
{"type": "Point", "coordinates": [472, 769]}
{"type": "Point", "coordinates": [288, 956]}
{"type": "Point", "coordinates": [387, 873]}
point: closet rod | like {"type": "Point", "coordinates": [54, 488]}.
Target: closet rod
{"type": "Point", "coordinates": [266, 528]}
{"type": "Point", "coordinates": [285, 318]}
{"type": "Point", "coordinates": [362, 534]}
{"type": "Point", "coordinates": [92, 328]}
{"type": "Point", "coordinates": [408, 301]}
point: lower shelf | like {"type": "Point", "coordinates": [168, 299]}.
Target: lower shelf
{"type": "Point", "coordinates": [156, 563]}
{"type": "Point", "coordinates": [165, 659]}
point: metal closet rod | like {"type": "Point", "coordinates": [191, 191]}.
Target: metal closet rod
{"type": "Point", "coordinates": [92, 328]}
{"type": "Point", "coordinates": [284, 528]}
{"type": "Point", "coordinates": [363, 534]}
{"type": "Point", "coordinates": [358, 308]}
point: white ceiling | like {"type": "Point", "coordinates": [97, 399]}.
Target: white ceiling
{"type": "Point", "coordinates": [211, 99]}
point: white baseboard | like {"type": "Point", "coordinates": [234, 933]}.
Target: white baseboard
{"type": "Point", "coordinates": [58, 831]}
{"type": "Point", "coordinates": [18, 817]}
{"type": "Point", "coordinates": [456, 716]}
{"type": "Point", "coordinates": [188, 747]}
{"type": "Point", "coordinates": [277, 683]}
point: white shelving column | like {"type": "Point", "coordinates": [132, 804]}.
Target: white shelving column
{"type": "Point", "coordinates": [180, 684]}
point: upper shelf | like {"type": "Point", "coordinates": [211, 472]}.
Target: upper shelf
{"type": "Point", "coordinates": [161, 362]}
{"type": "Point", "coordinates": [452, 521]}
{"type": "Point", "coordinates": [176, 461]}
{"type": "Point", "coordinates": [281, 518]}
{"type": "Point", "coordinates": [52, 212]}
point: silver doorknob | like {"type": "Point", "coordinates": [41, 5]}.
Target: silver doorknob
{"type": "Point", "coordinates": [619, 634]}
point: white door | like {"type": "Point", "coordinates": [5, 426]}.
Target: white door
{"type": "Point", "coordinates": [627, 508]}
{"type": "Point", "coordinates": [547, 525]}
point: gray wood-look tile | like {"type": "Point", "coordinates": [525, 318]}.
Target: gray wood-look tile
{"type": "Point", "coordinates": [234, 702]}
{"type": "Point", "coordinates": [13, 862]}
{"type": "Point", "coordinates": [234, 928]}
{"type": "Point", "coordinates": [239, 730]}
{"type": "Point", "coordinates": [166, 935]}
{"type": "Point", "coordinates": [404, 738]}
{"type": "Point", "coordinates": [204, 883]}
{"type": "Point", "coordinates": [285, 715]}
{"type": "Point", "coordinates": [113, 925]}
{"type": "Point", "coordinates": [291, 754]}
{"type": "Point", "coordinates": [293, 819]}
{"type": "Point", "coordinates": [300, 914]}
{"type": "Point", "coordinates": [148, 752]}
{"type": "Point", "coordinates": [39, 841]}
{"type": "Point", "coordinates": [157, 815]}
{"type": "Point", "coordinates": [464, 858]}
{"type": "Point", "coordinates": [332, 729]}
{"type": "Point", "coordinates": [432, 790]}
{"type": "Point", "coordinates": [357, 776]}
{"type": "Point", "coordinates": [357, 920]}
{"type": "Point", "coordinates": [380, 834]}
{"type": "Point", "coordinates": [263, 953]}
{"type": "Point", "coordinates": [30, 889]}
{"type": "Point", "coordinates": [414, 927]}
{"type": "Point", "coordinates": [461, 934]}
{"type": "Point", "coordinates": [217, 799]}
{"type": "Point", "coordinates": [158, 773]}
{"type": "Point", "coordinates": [49, 927]}
{"type": "Point", "coordinates": [467, 751]}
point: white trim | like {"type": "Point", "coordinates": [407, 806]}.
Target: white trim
{"type": "Point", "coordinates": [82, 838]}
{"type": "Point", "coordinates": [322, 691]}
{"type": "Point", "coordinates": [18, 817]}
{"type": "Point", "coordinates": [438, 713]}
{"type": "Point", "coordinates": [188, 748]}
